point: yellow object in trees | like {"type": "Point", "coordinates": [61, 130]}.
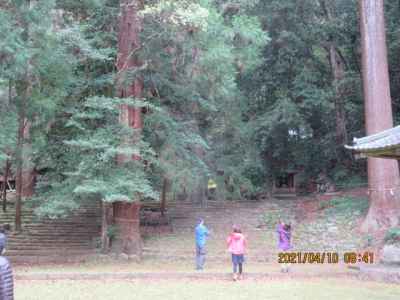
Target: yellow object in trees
{"type": "Point", "coordinates": [211, 184]}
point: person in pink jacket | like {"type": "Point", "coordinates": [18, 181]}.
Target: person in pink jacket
{"type": "Point", "coordinates": [237, 247]}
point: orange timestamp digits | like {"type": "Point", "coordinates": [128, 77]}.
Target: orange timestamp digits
{"type": "Point", "coordinates": [354, 257]}
{"type": "Point", "coordinates": [308, 257]}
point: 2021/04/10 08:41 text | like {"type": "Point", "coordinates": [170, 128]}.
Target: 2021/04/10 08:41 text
{"type": "Point", "coordinates": [308, 257]}
{"type": "Point", "coordinates": [324, 257]}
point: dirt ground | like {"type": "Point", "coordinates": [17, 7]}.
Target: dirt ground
{"type": "Point", "coordinates": [166, 270]}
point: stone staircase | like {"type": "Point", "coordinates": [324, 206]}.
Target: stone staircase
{"type": "Point", "coordinates": [58, 240]}
{"type": "Point", "coordinates": [284, 195]}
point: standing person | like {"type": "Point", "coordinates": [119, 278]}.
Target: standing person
{"type": "Point", "coordinates": [201, 234]}
{"type": "Point", "coordinates": [6, 276]}
{"type": "Point", "coordinates": [237, 245]}
{"type": "Point", "coordinates": [284, 236]}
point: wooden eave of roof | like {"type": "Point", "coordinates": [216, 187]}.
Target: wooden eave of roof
{"type": "Point", "coordinates": [385, 144]}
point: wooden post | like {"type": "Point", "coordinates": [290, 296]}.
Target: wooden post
{"type": "Point", "coordinates": [106, 222]}
{"type": "Point", "coordinates": [163, 196]}
{"type": "Point", "coordinates": [5, 178]}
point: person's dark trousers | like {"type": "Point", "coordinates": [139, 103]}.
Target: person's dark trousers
{"type": "Point", "coordinates": [200, 257]}
{"type": "Point", "coordinates": [237, 261]}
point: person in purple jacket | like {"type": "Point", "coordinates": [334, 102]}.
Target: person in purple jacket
{"type": "Point", "coordinates": [284, 236]}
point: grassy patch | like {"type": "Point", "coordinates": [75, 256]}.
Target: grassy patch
{"type": "Point", "coordinates": [210, 289]}
{"type": "Point", "coordinates": [392, 236]}
{"type": "Point", "coordinates": [346, 205]}
{"type": "Point", "coordinates": [271, 219]}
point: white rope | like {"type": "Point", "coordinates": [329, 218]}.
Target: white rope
{"type": "Point", "coordinates": [384, 190]}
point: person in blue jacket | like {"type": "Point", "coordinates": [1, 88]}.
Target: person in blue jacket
{"type": "Point", "coordinates": [6, 276]}
{"type": "Point", "coordinates": [201, 234]}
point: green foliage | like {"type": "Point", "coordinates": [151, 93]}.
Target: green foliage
{"type": "Point", "coordinates": [93, 149]}
{"type": "Point", "coordinates": [369, 240]}
{"type": "Point", "coordinates": [290, 97]}
{"type": "Point", "coordinates": [392, 235]}
{"type": "Point", "coordinates": [346, 206]}
{"type": "Point", "coordinates": [112, 231]}
{"type": "Point", "coordinates": [221, 95]}
{"type": "Point", "coordinates": [352, 181]}
{"type": "Point", "coordinates": [8, 127]}
{"type": "Point", "coordinates": [194, 61]}
{"type": "Point", "coordinates": [272, 219]}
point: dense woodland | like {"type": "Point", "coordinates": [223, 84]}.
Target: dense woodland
{"type": "Point", "coordinates": [237, 90]}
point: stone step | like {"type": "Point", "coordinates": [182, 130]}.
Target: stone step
{"type": "Point", "coordinates": [285, 196]}
{"type": "Point", "coordinates": [34, 221]}
{"type": "Point", "coordinates": [43, 252]}
{"type": "Point", "coordinates": [58, 258]}
{"type": "Point", "coordinates": [54, 234]}
{"type": "Point", "coordinates": [50, 250]}
{"type": "Point", "coordinates": [52, 247]}
{"type": "Point", "coordinates": [56, 244]}
{"type": "Point", "coordinates": [76, 223]}
{"type": "Point", "coordinates": [64, 242]}
{"type": "Point", "coordinates": [79, 228]}
{"type": "Point", "coordinates": [46, 240]}
{"type": "Point", "coordinates": [61, 226]}
{"type": "Point", "coordinates": [73, 222]}
{"type": "Point", "coordinates": [49, 241]}
{"type": "Point", "coordinates": [70, 232]}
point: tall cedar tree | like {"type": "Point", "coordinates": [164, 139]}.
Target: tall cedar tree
{"type": "Point", "coordinates": [383, 174]}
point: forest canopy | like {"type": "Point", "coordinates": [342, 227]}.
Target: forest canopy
{"type": "Point", "coordinates": [240, 91]}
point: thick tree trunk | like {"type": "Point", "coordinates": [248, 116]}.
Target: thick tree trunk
{"type": "Point", "coordinates": [338, 72]}
{"type": "Point", "coordinates": [130, 25]}
{"type": "Point", "coordinates": [19, 163]}
{"type": "Point", "coordinates": [128, 44]}
{"type": "Point", "coordinates": [164, 196]}
{"type": "Point", "coordinates": [25, 175]}
{"type": "Point", "coordinates": [5, 181]}
{"type": "Point", "coordinates": [28, 170]}
{"type": "Point", "coordinates": [128, 239]}
{"type": "Point", "coordinates": [107, 221]}
{"type": "Point", "coordinates": [383, 174]}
